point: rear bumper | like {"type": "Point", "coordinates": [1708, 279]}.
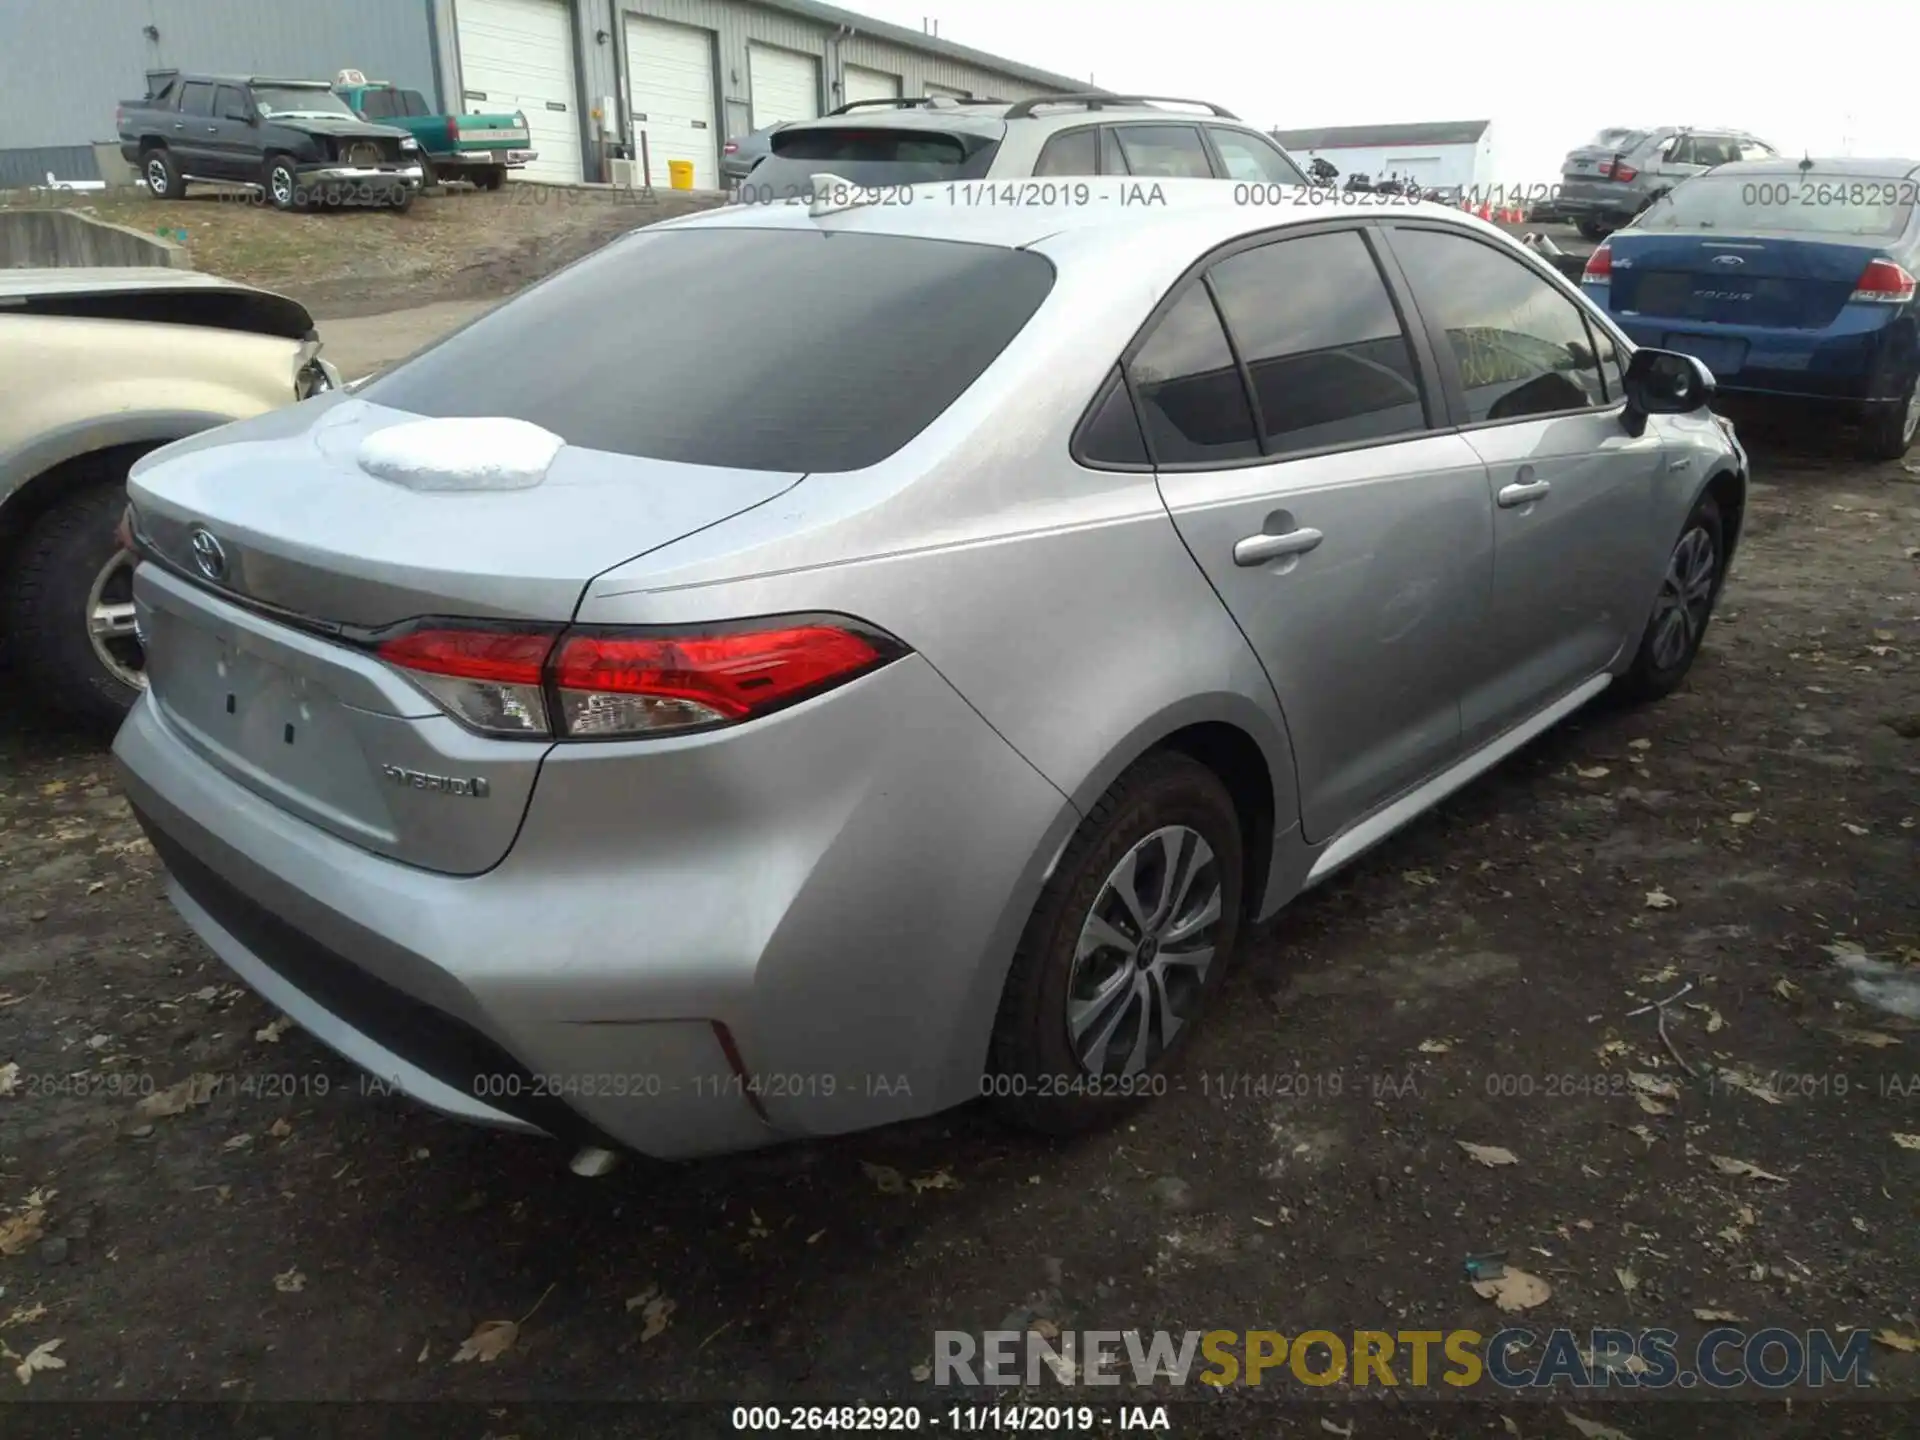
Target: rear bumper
{"type": "Point", "coordinates": [1592, 199]}
{"type": "Point", "coordinates": [840, 886]}
{"type": "Point", "coordinates": [485, 159]}
{"type": "Point", "coordinates": [1865, 368]}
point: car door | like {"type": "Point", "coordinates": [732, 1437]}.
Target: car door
{"type": "Point", "coordinates": [1675, 161]}
{"type": "Point", "coordinates": [194, 130]}
{"type": "Point", "coordinates": [231, 151]}
{"type": "Point", "coordinates": [1537, 396]}
{"type": "Point", "coordinates": [1292, 421]}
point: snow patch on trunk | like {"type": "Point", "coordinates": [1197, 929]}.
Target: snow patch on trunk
{"type": "Point", "coordinates": [489, 452]}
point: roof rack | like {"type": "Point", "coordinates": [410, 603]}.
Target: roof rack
{"type": "Point", "coordinates": [1023, 109]}
{"type": "Point", "coordinates": [904, 102]}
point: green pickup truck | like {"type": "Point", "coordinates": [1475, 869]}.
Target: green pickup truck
{"type": "Point", "coordinates": [480, 149]}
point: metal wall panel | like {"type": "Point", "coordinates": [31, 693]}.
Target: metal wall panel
{"type": "Point", "coordinates": [70, 61]}
{"type": "Point", "coordinates": [22, 168]}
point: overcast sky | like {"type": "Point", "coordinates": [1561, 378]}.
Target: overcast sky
{"type": "Point", "coordinates": [1833, 77]}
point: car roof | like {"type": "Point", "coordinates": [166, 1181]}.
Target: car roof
{"type": "Point", "coordinates": [1117, 210]}
{"type": "Point", "coordinates": [990, 117]}
{"type": "Point", "coordinates": [1882, 168]}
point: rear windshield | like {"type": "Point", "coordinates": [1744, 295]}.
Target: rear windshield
{"type": "Point", "coordinates": [868, 156]}
{"type": "Point", "coordinates": [1616, 138]}
{"type": "Point", "coordinates": [1796, 204]}
{"type": "Point", "coordinates": [802, 350]}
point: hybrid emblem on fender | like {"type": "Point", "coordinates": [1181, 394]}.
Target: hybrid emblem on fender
{"type": "Point", "coordinates": [209, 554]}
{"type": "Point", "coordinates": [445, 784]}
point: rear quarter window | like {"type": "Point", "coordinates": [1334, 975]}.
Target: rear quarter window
{"type": "Point", "coordinates": [765, 349]}
{"type": "Point", "coordinates": [868, 156]}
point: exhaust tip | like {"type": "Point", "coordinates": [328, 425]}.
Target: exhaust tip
{"type": "Point", "coordinates": [592, 1162]}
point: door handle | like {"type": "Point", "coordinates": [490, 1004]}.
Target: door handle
{"type": "Point", "coordinates": [1514, 495]}
{"type": "Point", "coordinates": [1258, 549]}
{"type": "Point", "coordinates": [213, 129]}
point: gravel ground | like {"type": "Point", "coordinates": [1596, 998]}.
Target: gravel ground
{"type": "Point", "coordinates": [297, 1238]}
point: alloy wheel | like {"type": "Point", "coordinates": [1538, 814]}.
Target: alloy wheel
{"type": "Point", "coordinates": [110, 622]}
{"type": "Point", "coordinates": [1140, 964]}
{"type": "Point", "coordinates": [157, 176]}
{"type": "Point", "coordinates": [1686, 597]}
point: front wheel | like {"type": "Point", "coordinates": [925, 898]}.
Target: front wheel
{"type": "Point", "coordinates": [282, 184]}
{"type": "Point", "coordinates": [1891, 430]}
{"type": "Point", "coordinates": [162, 174]}
{"type": "Point", "coordinates": [68, 606]}
{"type": "Point", "coordinates": [1688, 589]}
{"type": "Point", "coordinates": [1128, 943]}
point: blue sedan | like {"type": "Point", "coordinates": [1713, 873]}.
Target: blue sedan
{"type": "Point", "coordinates": [1787, 279]}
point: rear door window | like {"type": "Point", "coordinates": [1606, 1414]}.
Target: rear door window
{"type": "Point", "coordinates": [1313, 322]}
{"type": "Point", "coordinates": [1193, 405]}
{"type": "Point", "coordinates": [761, 349]}
{"type": "Point", "coordinates": [866, 155]}
{"type": "Point", "coordinates": [1164, 150]}
{"type": "Point", "coordinates": [1520, 346]}
{"type": "Point", "coordinates": [196, 98]}
{"type": "Point", "coordinates": [376, 104]}
{"type": "Point", "coordinates": [1071, 152]}
{"type": "Point", "coordinates": [230, 103]}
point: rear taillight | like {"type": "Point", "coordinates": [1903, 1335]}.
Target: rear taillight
{"type": "Point", "coordinates": [453, 130]}
{"type": "Point", "coordinates": [590, 683]}
{"type": "Point", "coordinates": [1884, 283]}
{"type": "Point", "coordinates": [1599, 268]}
{"type": "Point", "coordinates": [1618, 169]}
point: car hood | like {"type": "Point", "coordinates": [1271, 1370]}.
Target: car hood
{"type": "Point", "coordinates": [343, 126]}
{"type": "Point", "coordinates": [152, 292]}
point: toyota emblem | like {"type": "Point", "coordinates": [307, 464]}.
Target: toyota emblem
{"type": "Point", "coordinates": [209, 555]}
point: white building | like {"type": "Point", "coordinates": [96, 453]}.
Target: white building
{"type": "Point", "coordinates": [1436, 155]}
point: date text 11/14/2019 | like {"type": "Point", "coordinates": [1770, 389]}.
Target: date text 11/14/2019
{"type": "Point", "coordinates": [960, 1419]}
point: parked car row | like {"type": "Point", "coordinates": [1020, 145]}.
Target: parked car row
{"type": "Point", "coordinates": [1618, 173]}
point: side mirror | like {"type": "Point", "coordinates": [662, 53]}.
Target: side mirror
{"type": "Point", "coordinates": [1663, 382]}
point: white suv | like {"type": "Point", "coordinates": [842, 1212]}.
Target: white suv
{"type": "Point", "coordinates": [923, 141]}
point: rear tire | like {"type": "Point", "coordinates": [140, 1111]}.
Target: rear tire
{"type": "Point", "coordinates": [162, 174]}
{"type": "Point", "coordinates": [68, 570]}
{"type": "Point", "coordinates": [1098, 1006]}
{"type": "Point", "coordinates": [1592, 229]}
{"type": "Point", "coordinates": [1890, 433]}
{"type": "Point", "coordinates": [1682, 609]}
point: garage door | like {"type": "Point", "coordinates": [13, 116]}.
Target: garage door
{"type": "Point", "coordinates": [948, 91]}
{"type": "Point", "coordinates": [670, 93]}
{"type": "Point", "coordinates": [785, 86]}
{"type": "Point", "coordinates": [1426, 169]}
{"type": "Point", "coordinates": [518, 55]}
{"type": "Point", "coordinates": [860, 83]}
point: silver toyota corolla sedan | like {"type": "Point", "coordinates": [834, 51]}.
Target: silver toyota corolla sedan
{"type": "Point", "coordinates": [580, 752]}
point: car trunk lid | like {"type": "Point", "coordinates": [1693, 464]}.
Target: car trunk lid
{"type": "Point", "coordinates": [1773, 281]}
{"type": "Point", "coordinates": [280, 553]}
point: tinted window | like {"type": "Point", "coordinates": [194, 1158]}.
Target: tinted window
{"type": "Point", "coordinates": [1112, 162]}
{"type": "Point", "coordinates": [1248, 157]}
{"type": "Point", "coordinates": [414, 103]}
{"type": "Point", "coordinates": [1072, 152]}
{"type": "Point", "coordinates": [377, 104]}
{"type": "Point", "coordinates": [1312, 321]}
{"type": "Point", "coordinates": [1164, 150]}
{"type": "Point", "coordinates": [1521, 345]}
{"type": "Point", "coordinates": [1193, 405]}
{"type": "Point", "coordinates": [844, 346]}
{"type": "Point", "coordinates": [1813, 205]}
{"type": "Point", "coordinates": [196, 98]}
{"type": "Point", "coordinates": [1612, 364]}
{"type": "Point", "coordinates": [1112, 435]}
{"type": "Point", "coordinates": [1712, 149]}
{"type": "Point", "coordinates": [229, 103]}
{"type": "Point", "coordinates": [163, 94]}
{"type": "Point", "coordinates": [867, 156]}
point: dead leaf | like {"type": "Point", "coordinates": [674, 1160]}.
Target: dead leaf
{"type": "Point", "coordinates": [1853, 829]}
{"type": "Point", "coordinates": [1606, 1052]}
{"type": "Point", "coordinates": [9, 1073]}
{"type": "Point", "coordinates": [24, 1315]}
{"type": "Point", "coordinates": [19, 1231]}
{"type": "Point", "coordinates": [1727, 1165]}
{"type": "Point", "coordinates": [1418, 877]}
{"type": "Point", "coordinates": [1907, 1142]}
{"type": "Point", "coordinates": [1743, 817]}
{"type": "Point", "coordinates": [238, 1142]}
{"type": "Point", "coordinates": [1342, 1430]}
{"type": "Point", "coordinates": [1868, 1037]}
{"type": "Point", "coordinates": [1629, 1282]}
{"type": "Point", "coordinates": [1653, 1085]}
{"type": "Point", "coordinates": [490, 1340]}
{"type": "Point", "coordinates": [273, 1030]}
{"type": "Point", "coordinates": [886, 1179]}
{"type": "Point", "coordinates": [1515, 1290]}
{"type": "Point", "coordinates": [54, 787]}
{"type": "Point", "coordinates": [1785, 989]}
{"type": "Point", "coordinates": [1658, 899]}
{"type": "Point", "coordinates": [939, 1180]}
{"type": "Point", "coordinates": [656, 1311]}
{"type": "Point", "coordinates": [1593, 772]}
{"type": "Point", "coordinates": [923, 1371]}
{"type": "Point", "coordinates": [1045, 1329]}
{"type": "Point", "coordinates": [1593, 1429]}
{"type": "Point", "coordinates": [814, 1238]}
{"type": "Point", "coordinates": [1639, 744]}
{"type": "Point", "coordinates": [1894, 1340]}
{"type": "Point", "coordinates": [1434, 1047]}
{"type": "Point", "coordinates": [178, 1098]}
{"type": "Point", "coordinates": [426, 1349]}
{"type": "Point", "coordinates": [1489, 1155]}
{"type": "Point", "coordinates": [41, 1357]}
{"type": "Point", "coordinates": [1651, 1106]}
{"type": "Point", "coordinates": [280, 1129]}
{"type": "Point", "coordinates": [1724, 1315]}
{"type": "Point", "coordinates": [1751, 1084]}
{"type": "Point", "coordinates": [290, 1282]}
{"type": "Point", "coordinates": [1661, 976]}
{"type": "Point", "coordinates": [1511, 1428]}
